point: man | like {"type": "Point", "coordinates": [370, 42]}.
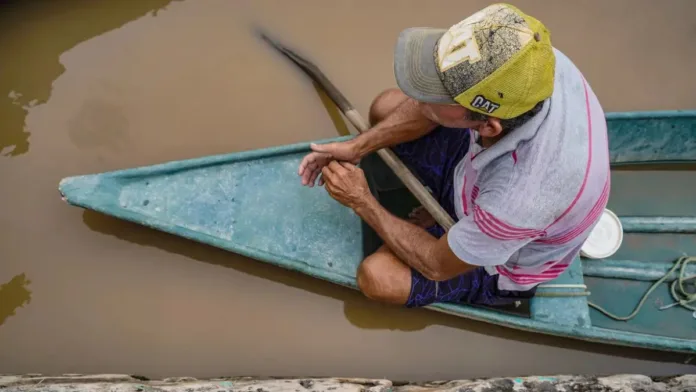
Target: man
{"type": "Point", "coordinates": [511, 140]}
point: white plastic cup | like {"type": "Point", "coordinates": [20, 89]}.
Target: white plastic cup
{"type": "Point", "coordinates": [605, 239]}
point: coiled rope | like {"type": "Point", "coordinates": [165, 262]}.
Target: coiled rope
{"type": "Point", "coordinates": [681, 296]}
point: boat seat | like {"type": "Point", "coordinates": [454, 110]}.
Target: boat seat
{"type": "Point", "coordinates": [569, 307]}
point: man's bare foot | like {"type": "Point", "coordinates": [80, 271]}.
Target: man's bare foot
{"type": "Point", "coordinates": [421, 217]}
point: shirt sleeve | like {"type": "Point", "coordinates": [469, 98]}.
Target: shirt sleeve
{"type": "Point", "coordinates": [484, 240]}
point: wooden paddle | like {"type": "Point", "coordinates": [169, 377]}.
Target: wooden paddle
{"type": "Point", "coordinates": [388, 156]}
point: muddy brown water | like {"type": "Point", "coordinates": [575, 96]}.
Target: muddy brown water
{"type": "Point", "coordinates": [91, 86]}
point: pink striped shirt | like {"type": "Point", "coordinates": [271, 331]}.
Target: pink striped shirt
{"type": "Point", "coordinates": [526, 204]}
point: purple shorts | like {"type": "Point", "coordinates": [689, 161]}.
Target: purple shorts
{"type": "Point", "coordinates": [433, 159]}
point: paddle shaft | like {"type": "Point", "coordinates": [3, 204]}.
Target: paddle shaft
{"type": "Point", "coordinates": [405, 175]}
{"type": "Point", "coordinates": [395, 164]}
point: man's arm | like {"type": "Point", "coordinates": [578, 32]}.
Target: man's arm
{"type": "Point", "coordinates": [413, 245]}
{"type": "Point", "coordinates": [403, 124]}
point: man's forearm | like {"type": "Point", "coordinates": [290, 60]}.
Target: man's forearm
{"type": "Point", "coordinates": [411, 244]}
{"type": "Point", "coordinates": [404, 124]}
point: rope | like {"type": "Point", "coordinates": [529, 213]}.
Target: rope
{"type": "Point", "coordinates": [679, 293]}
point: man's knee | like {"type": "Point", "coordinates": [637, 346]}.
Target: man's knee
{"type": "Point", "coordinates": [385, 103]}
{"type": "Point", "coordinates": [379, 279]}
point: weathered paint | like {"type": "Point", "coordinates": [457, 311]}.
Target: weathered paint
{"type": "Point", "coordinates": [652, 136]}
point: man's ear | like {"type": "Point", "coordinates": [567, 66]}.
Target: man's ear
{"type": "Point", "coordinates": [491, 128]}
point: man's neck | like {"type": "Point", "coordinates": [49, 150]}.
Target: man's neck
{"type": "Point", "coordinates": [487, 142]}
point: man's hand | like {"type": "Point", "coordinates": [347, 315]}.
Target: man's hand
{"type": "Point", "coordinates": [421, 218]}
{"type": "Point", "coordinates": [411, 244]}
{"type": "Point", "coordinates": [346, 183]}
{"type": "Point", "coordinates": [312, 164]}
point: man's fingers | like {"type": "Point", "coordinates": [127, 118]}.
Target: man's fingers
{"type": "Point", "coordinates": [416, 211]}
{"type": "Point", "coordinates": [313, 177]}
{"type": "Point", "coordinates": [305, 162]}
{"type": "Point", "coordinates": [327, 174]}
{"type": "Point", "coordinates": [323, 148]}
{"type": "Point", "coordinates": [337, 167]}
{"type": "Point", "coordinates": [306, 178]}
{"type": "Point", "coordinates": [316, 147]}
{"type": "Point", "coordinates": [329, 188]}
{"type": "Point", "coordinates": [311, 160]}
{"type": "Point", "coordinates": [308, 172]}
{"type": "Point", "coordinates": [348, 165]}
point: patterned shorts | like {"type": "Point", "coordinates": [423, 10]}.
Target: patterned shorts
{"type": "Point", "coordinates": [433, 159]}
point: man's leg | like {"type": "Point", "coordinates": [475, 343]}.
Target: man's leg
{"type": "Point", "coordinates": [383, 277]}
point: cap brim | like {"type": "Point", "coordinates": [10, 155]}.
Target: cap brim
{"type": "Point", "coordinates": [414, 65]}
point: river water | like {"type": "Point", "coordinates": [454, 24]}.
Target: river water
{"type": "Point", "coordinates": [91, 86]}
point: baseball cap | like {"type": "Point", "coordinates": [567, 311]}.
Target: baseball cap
{"type": "Point", "coordinates": [498, 61]}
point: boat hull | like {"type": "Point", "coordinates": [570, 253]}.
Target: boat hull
{"type": "Point", "coordinates": [252, 203]}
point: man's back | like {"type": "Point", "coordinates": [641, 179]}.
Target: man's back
{"type": "Point", "coordinates": [531, 199]}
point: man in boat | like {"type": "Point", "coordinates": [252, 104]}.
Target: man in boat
{"type": "Point", "coordinates": [512, 142]}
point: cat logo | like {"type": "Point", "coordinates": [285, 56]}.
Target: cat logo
{"type": "Point", "coordinates": [482, 103]}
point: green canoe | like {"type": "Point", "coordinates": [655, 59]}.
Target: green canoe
{"type": "Point", "coordinates": [252, 203]}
